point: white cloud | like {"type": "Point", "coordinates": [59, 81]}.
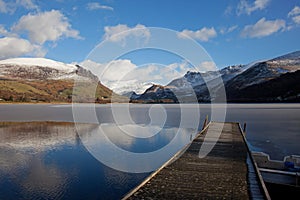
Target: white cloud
{"type": "Point", "coordinates": [125, 70]}
{"type": "Point", "coordinates": [295, 14]}
{"type": "Point", "coordinates": [115, 75]}
{"type": "Point", "coordinates": [97, 6]}
{"type": "Point", "coordinates": [175, 70]}
{"type": "Point", "coordinates": [146, 73]}
{"type": "Point", "coordinates": [295, 11]}
{"type": "Point", "coordinates": [28, 4]}
{"type": "Point", "coordinates": [113, 71]}
{"type": "Point", "coordinates": [228, 30]}
{"type": "Point", "coordinates": [14, 47]}
{"type": "Point", "coordinates": [3, 31]}
{"type": "Point", "coordinates": [207, 66]}
{"type": "Point", "coordinates": [203, 34]}
{"type": "Point", "coordinates": [10, 7]}
{"type": "Point", "coordinates": [45, 26]}
{"type": "Point", "coordinates": [245, 7]}
{"type": "Point", "coordinates": [124, 76]}
{"type": "Point", "coordinates": [263, 28]}
{"type": "Point", "coordinates": [228, 10]}
{"type": "Point", "coordinates": [296, 19]}
{"type": "Point", "coordinates": [117, 70]}
{"type": "Point", "coordinates": [5, 7]}
{"type": "Point", "coordinates": [120, 32]}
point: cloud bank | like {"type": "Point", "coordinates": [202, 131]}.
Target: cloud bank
{"type": "Point", "coordinates": [98, 6]}
{"type": "Point", "coordinates": [204, 34]}
{"type": "Point", "coordinates": [245, 8]}
{"type": "Point", "coordinates": [263, 28]}
{"type": "Point", "coordinates": [121, 32]}
{"type": "Point", "coordinates": [32, 31]}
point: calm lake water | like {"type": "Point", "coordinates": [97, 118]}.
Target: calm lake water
{"type": "Point", "coordinates": [43, 155]}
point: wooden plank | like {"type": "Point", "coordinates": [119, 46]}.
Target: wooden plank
{"type": "Point", "coordinates": [223, 173]}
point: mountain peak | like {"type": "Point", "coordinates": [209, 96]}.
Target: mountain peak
{"type": "Point", "coordinates": [191, 73]}
{"type": "Point", "coordinates": [45, 80]}
{"type": "Point", "coordinates": [155, 87]}
{"type": "Point", "coordinates": [42, 69]}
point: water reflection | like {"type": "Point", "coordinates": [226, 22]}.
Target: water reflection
{"type": "Point", "coordinates": [36, 136]}
{"type": "Point", "coordinates": [24, 164]}
{"type": "Point", "coordinates": [47, 160]}
{"type": "Point", "coordinates": [113, 147]}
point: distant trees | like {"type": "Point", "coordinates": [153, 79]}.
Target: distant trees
{"type": "Point", "coordinates": [11, 98]}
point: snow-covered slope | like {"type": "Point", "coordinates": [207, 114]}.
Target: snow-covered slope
{"type": "Point", "coordinates": [45, 80]}
{"type": "Point", "coordinates": [290, 56]}
{"type": "Point", "coordinates": [265, 71]}
{"type": "Point", "coordinates": [129, 86]}
{"type": "Point", "coordinates": [41, 62]}
{"type": "Point", "coordinates": [42, 69]}
{"type": "Point", "coordinates": [195, 79]}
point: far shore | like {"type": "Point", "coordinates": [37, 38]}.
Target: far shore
{"type": "Point", "coordinates": [203, 103]}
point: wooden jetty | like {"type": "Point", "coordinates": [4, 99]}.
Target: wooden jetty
{"type": "Point", "coordinates": [228, 171]}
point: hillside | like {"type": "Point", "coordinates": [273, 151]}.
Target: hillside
{"type": "Point", "coordinates": [44, 80]}
{"type": "Point", "coordinates": [268, 81]}
{"type": "Point", "coordinates": [285, 88]}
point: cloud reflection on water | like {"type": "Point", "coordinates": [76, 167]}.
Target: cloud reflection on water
{"type": "Point", "coordinates": [122, 152]}
{"type": "Point", "coordinates": [48, 159]}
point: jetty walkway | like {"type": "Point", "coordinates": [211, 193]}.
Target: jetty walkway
{"type": "Point", "coordinates": [228, 171]}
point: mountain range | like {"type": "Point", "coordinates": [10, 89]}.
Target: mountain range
{"type": "Point", "coordinates": [273, 80]}
{"type": "Point", "coordinates": [45, 80]}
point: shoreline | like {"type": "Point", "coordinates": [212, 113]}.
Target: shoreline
{"type": "Point", "coordinates": [185, 103]}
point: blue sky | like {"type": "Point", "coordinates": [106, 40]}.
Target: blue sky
{"type": "Point", "coordinates": [232, 32]}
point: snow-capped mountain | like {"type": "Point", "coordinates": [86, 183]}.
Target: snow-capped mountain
{"type": "Point", "coordinates": [194, 79]}
{"type": "Point", "coordinates": [42, 69]}
{"type": "Point", "coordinates": [266, 70]}
{"type": "Point", "coordinates": [42, 62]}
{"type": "Point", "coordinates": [189, 79]}
{"type": "Point", "coordinates": [263, 80]}
{"type": "Point", "coordinates": [236, 79]}
{"type": "Point", "coordinates": [156, 93]}
{"type": "Point", "coordinates": [294, 56]}
{"type": "Point", "coordinates": [128, 86]}
{"type": "Point", "coordinates": [45, 80]}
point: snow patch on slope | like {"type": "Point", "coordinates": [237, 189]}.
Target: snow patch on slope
{"type": "Point", "coordinates": [123, 87]}
{"type": "Point", "coordinates": [41, 62]}
{"type": "Point", "coordinates": [42, 69]}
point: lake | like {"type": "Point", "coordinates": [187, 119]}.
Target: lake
{"type": "Point", "coordinates": [109, 150]}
